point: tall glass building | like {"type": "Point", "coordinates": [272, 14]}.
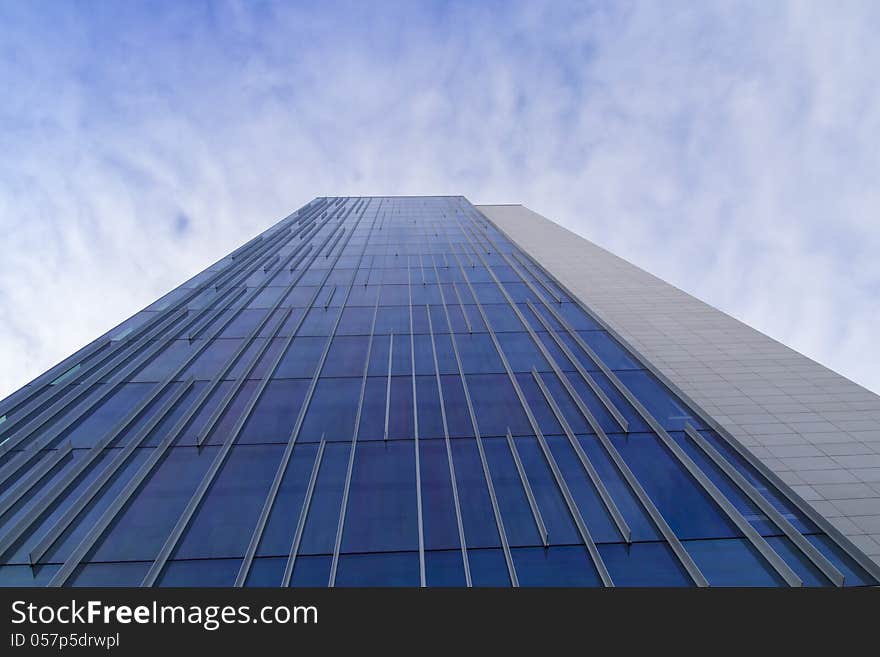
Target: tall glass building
{"type": "Point", "coordinates": [407, 391]}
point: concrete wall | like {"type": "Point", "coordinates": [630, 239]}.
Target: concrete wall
{"type": "Point", "coordinates": [818, 431]}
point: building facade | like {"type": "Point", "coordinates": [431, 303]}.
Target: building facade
{"type": "Point", "coordinates": [414, 391]}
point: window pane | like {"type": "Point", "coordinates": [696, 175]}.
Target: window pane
{"type": "Point", "coordinates": [275, 413]}
{"type": "Point", "coordinates": [732, 562]}
{"type": "Point", "coordinates": [643, 564]}
{"type": "Point", "coordinates": [225, 520]}
{"type": "Point", "coordinates": [382, 514]}
{"type": "Point", "coordinates": [200, 572]}
{"type": "Point", "coordinates": [555, 566]}
{"type": "Point", "coordinates": [332, 410]}
{"type": "Point", "coordinates": [444, 568]}
{"type": "Point", "coordinates": [390, 569]}
{"type": "Point", "coordinates": [488, 568]}
{"type": "Point", "coordinates": [682, 502]}
{"type": "Point", "coordinates": [478, 519]}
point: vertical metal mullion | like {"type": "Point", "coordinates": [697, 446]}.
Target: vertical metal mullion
{"type": "Point", "coordinates": [388, 384]}
{"type": "Point", "coordinates": [461, 305]}
{"type": "Point", "coordinates": [573, 510]}
{"type": "Point", "coordinates": [196, 499]}
{"type": "Point", "coordinates": [527, 489]}
{"type": "Point", "coordinates": [452, 478]}
{"type": "Point", "coordinates": [607, 500]}
{"type": "Point", "coordinates": [256, 535]}
{"type": "Point", "coordinates": [145, 327]}
{"type": "Point", "coordinates": [585, 376]}
{"type": "Point", "coordinates": [412, 351]}
{"type": "Point", "coordinates": [27, 482]}
{"type": "Point", "coordinates": [220, 409]}
{"type": "Point", "coordinates": [606, 401]}
{"type": "Point", "coordinates": [95, 487]}
{"type": "Point", "coordinates": [109, 515]}
{"type": "Point", "coordinates": [743, 484]}
{"type": "Point", "coordinates": [499, 522]}
{"type": "Point", "coordinates": [618, 416]}
{"type": "Point", "coordinates": [136, 358]}
{"type": "Point", "coordinates": [594, 477]}
{"type": "Point", "coordinates": [303, 514]}
{"type": "Point", "coordinates": [678, 549]}
{"type": "Point", "coordinates": [759, 543]}
{"type": "Point", "coordinates": [337, 545]}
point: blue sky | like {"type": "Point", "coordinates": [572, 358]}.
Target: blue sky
{"type": "Point", "coordinates": [730, 148]}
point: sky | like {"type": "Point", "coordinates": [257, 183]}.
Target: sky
{"type": "Point", "coordinates": [731, 148]}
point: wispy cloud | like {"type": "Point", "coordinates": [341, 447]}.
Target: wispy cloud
{"type": "Point", "coordinates": [732, 149]}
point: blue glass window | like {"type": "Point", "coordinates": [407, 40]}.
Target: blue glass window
{"type": "Point", "coordinates": [444, 568]}
{"type": "Point", "coordinates": [378, 569]}
{"type": "Point", "coordinates": [275, 413]}
{"type": "Point", "coordinates": [332, 410]}
{"type": "Point", "coordinates": [732, 562]}
{"type": "Point", "coordinates": [555, 566]}
{"type": "Point", "coordinates": [643, 564]}
{"type": "Point", "coordinates": [223, 524]}
{"type": "Point", "coordinates": [382, 513]}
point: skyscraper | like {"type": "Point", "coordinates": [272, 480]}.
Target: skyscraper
{"type": "Point", "coordinates": [407, 391]}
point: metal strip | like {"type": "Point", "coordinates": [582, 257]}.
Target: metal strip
{"type": "Point", "coordinates": [452, 478]}
{"type": "Point", "coordinates": [337, 545]}
{"type": "Point", "coordinates": [533, 503]}
{"type": "Point", "coordinates": [818, 559]}
{"type": "Point", "coordinates": [412, 358]}
{"type": "Point", "coordinates": [388, 385]}
{"type": "Point", "coordinates": [460, 305]}
{"type": "Point", "coordinates": [94, 488]}
{"type": "Point", "coordinates": [585, 376]}
{"type": "Point", "coordinates": [573, 510]}
{"type": "Point", "coordinates": [678, 549]}
{"type": "Point", "coordinates": [303, 514]}
{"type": "Point", "coordinates": [83, 354]}
{"type": "Point", "coordinates": [110, 513]}
{"type": "Point", "coordinates": [611, 507]}
{"type": "Point", "coordinates": [269, 502]}
{"type": "Point", "coordinates": [609, 405]}
{"type": "Point", "coordinates": [607, 500]}
{"type": "Point", "coordinates": [141, 354]}
{"type": "Point", "coordinates": [499, 522]}
{"type": "Point", "coordinates": [196, 499]}
{"type": "Point", "coordinates": [27, 482]}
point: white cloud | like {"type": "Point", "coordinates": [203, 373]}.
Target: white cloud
{"type": "Point", "coordinates": [742, 138]}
